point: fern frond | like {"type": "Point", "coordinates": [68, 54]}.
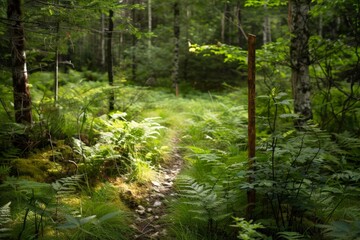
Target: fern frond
{"type": "Point", "coordinates": [67, 186]}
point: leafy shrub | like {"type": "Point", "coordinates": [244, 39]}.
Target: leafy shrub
{"type": "Point", "coordinates": [121, 148]}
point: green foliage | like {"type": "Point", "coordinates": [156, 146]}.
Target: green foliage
{"type": "Point", "coordinates": [122, 146]}
{"type": "Point", "coordinates": [8, 133]}
{"type": "Point", "coordinates": [231, 53]}
{"type": "Point", "coordinates": [247, 229]}
{"type": "Point", "coordinates": [341, 230]}
{"type": "Point", "coordinates": [271, 3]}
{"type": "Point", "coordinates": [302, 178]}
{"type": "Point", "coordinates": [208, 191]}
{"type": "Point", "coordinates": [108, 224]}
{"type": "Point", "coordinates": [207, 61]}
{"type": "Point", "coordinates": [67, 186]}
{"type": "Point", "coordinates": [204, 202]}
{"type": "Point", "coordinates": [101, 216]}
{"type": "Point", "coordinates": [50, 211]}
{"type": "Point", "coordinates": [291, 235]}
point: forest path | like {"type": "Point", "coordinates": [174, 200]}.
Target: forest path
{"type": "Point", "coordinates": [149, 217]}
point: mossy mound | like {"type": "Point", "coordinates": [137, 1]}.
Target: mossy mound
{"type": "Point", "coordinates": [37, 168]}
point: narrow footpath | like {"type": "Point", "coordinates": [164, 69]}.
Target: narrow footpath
{"type": "Point", "coordinates": [149, 223]}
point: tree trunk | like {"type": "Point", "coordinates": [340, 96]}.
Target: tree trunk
{"type": "Point", "coordinates": [149, 26]}
{"type": "Point", "coordinates": [187, 37]}
{"type": "Point", "coordinates": [238, 22]}
{"type": "Point", "coordinates": [321, 25]}
{"type": "Point", "coordinates": [56, 70]}
{"type": "Point", "coordinates": [226, 22]}
{"type": "Point", "coordinates": [102, 42]}
{"type": "Point", "coordinates": [110, 60]}
{"type": "Point", "coordinates": [22, 100]}
{"type": "Point", "coordinates": [299, 57]}
{"type": "Point", "coordinates": [251, 193]}
{"type": "Point", "coordinates": [223, 21]}
{"type": "Point", "coordinates": [175, 74]}
{"type": "Point", "coordinates": [133, 43]}
{"type": "Point", "coordinates": [266, 26]}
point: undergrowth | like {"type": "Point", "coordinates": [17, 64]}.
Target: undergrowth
{"type": "Point", "coordinates": [306, 180]}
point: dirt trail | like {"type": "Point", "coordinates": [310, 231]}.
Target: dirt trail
{"type": "Point", "coordinates": [148, 223]}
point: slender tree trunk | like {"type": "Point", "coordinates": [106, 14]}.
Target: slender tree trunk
{"type": "Point", "coordinates": [223, 21]}
{"type": "Point", "coordinates": [102, 42]}
{"type": "Point", "coordinates": [133, 43]}
{"type": "Point", "coordinates": [266, 26]}
{"type": "Point", "coordinates": [238, 23]}
{"type": "Point", "coordinates": [175, 74]}
{"type": "Point", "coordinates": [22, 100]}
{"type": "Point", "coordinates": [56, 75]}
{"type": "Point", "coordinates": [321, 25]}
{"type": "Point", "coordinates": [149, 50]}
{"type": "Point", "coordinates": [251, 193]}
{"type": "Point", "coordinates": [299, 57]}
{"type": "Point", "coordinates": [110, 60]}
{"type": "Point", "coordinates": [186, 55]}
{"type": "Point", "coordinates": [56, 70]}
{"type": "Point", "coordinates": [149, 25]}
{"type": "Point", "coordinates": [226, 24]}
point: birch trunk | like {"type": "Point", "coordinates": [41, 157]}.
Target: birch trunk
{"type": "Point", "coordinates": [299, 55]}
{"type": "Point", "coordinates": [266, 26]}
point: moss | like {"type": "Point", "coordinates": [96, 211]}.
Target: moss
{"type": "Point", "coordinates": [37, 169]}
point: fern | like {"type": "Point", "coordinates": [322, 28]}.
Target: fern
{"type": "Point", "coordinates": [121, 143]}
{"type": "Point", "coordinates": [67, 186]}
{"type": "Point", "coordinates": [206, 205]}
{"type": "Point", "coordinates": [291, 236]}
{"type": "Point", "coordinates": [342, 230]}
{"type": "Point", "coordinates": [248, 229]}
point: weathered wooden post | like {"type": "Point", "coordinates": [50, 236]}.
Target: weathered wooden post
{"type": "Point", "coordinates": [251, 194]}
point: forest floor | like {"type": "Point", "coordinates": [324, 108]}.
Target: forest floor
{"type": "Point", "coordinates": [150, 201]}
{"type": "Point", "coordinates": [150, 222]}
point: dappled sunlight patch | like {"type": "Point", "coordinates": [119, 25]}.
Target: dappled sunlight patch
{"type": "Point", "coordinates": [131, 193]}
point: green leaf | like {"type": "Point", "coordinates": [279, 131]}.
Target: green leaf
{"type": "Point", "coordinates": [109, 216]}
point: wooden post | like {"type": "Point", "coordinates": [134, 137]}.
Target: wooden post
{"type": "Point", "coordinates": [251, 122]}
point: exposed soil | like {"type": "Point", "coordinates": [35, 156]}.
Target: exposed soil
{"type": "Point", "coordinates": [148, 223]}
{"type": "Point", "coordinates": [150, 204]}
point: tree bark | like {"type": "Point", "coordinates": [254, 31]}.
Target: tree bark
{"type": "Point", "coordinates": [175, 74]}
{"type": "Point", "coordinates": [22, 99]}
{"type": "Point", "coordinates": [110, 60]}
{"type": "Point", "coordinates": [149, 25]}
{"type": "Point", "coordinates": [102, 42]}
{"type": "Point", "coordinates": [299, 57]}
{"type": "Point", "coordinates": [223, 21]}
{"type": "Point", "coordinates": [238, 21]}
{"type": "Point", "coordinates": [266, 26]}
{"type": "Point", "coordinates": [56, 70]}
{"type": "Point", "coordinates": [251, 193]}
{"type": "Point", "coordinates": [226, 23]}
{"type": "Point", "coordinates": [133, 43]}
